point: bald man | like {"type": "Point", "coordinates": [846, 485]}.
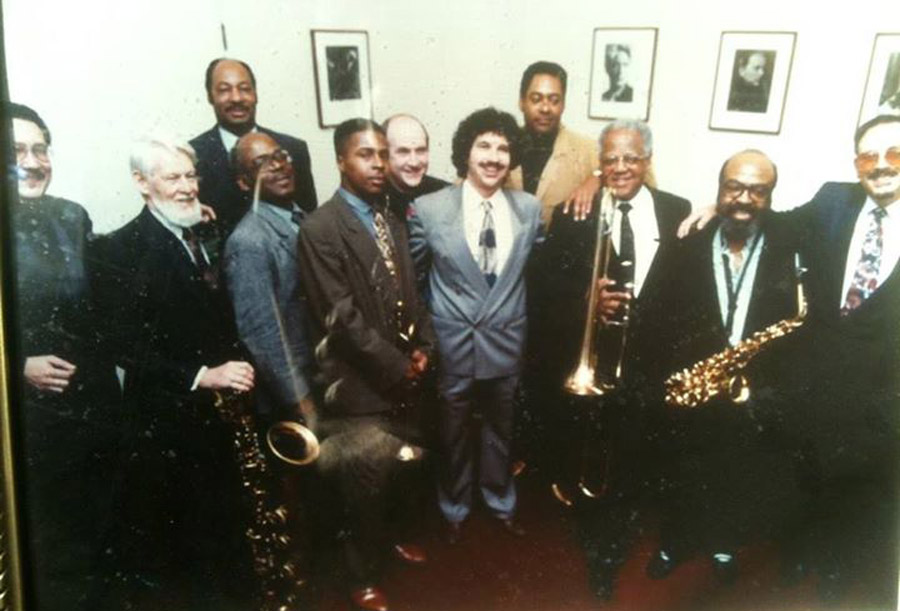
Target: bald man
{"type": "Point", "coordinates": [231, 91]}
{"type": "Point", "coordinates": [407, 163]}
{"type": "Point", "coordinates": [732, 279]}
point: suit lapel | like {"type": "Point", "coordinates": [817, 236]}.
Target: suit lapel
{"type": "Point", "coordinates": [359, 241]}
{"type": "Point", "coordinates": [512, 268]}
{"type": "Point", "coordinates": [458, 250]}
{"type": "Point", "coordinates": [841, 233]}
{"type": "Point", "coordinates": [285, 238]}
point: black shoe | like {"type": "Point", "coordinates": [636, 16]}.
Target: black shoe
{"type": "Point", "coordinates": [661, 564]}
{"type": "Point", "coordinates": [725, 570]}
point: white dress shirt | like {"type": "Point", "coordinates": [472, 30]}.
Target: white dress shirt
{"type": "Point", "coordinates": [473, 218]}
{"type": "Point", "coordinates": [229, 139]}
{"type": "Point", "coordinates": [646, 234]}
{"type": "Point", "coordinates": [749, 263]}
{"type": "Point", "coordinates": [890, 252]}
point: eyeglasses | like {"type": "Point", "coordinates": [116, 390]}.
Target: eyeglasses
{"type": "Point", "coordinates": [867, 161]}
{"type": "Point", "coordinates": [628, 160]}
{"type": "Point", "coordinates": [41, 152]}
{"type": "Point", "coordinates": [280, 156]}
{"type": "Point", "coordinates": [734, 189]}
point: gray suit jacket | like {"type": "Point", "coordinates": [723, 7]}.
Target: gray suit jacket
{"type": "Point", "coordinates": [264, 283]}
{"type": "Point", "coordinates": [480, 329]}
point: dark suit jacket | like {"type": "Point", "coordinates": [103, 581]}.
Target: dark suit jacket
{"type": "Point", "coordinates": [219, 189]}
{"type": "Point", "coordinates": [352, 301]}
{"type": "Point", "coordinates": [399, 202]}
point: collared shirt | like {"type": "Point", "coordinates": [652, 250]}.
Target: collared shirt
{"type": "Point", "coordinates": [229, 139]}
{"type": "Point", "coordinates": [890, 250]}
{"type": "Point", "coordinates": [646, 234]}
{"type": "Point", "coordinates": [178, 232]}
{"type": "Point", "coordinates": [363, 210]}
{"type": "Point", "coordinates": [743, 273]}
{"type": "Point", "coordinates": [473, 218]}
{"type": "Point", "coordinates": [287, 215]}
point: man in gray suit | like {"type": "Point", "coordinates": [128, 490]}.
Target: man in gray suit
{"type": "Point", "coordinates": [470, 243]}
{"type": "Point", "coordinates": [264, 283]}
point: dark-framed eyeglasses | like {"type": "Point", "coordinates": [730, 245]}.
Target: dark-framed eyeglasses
{"type": "Point", "coordinates": [868, 160]}
{"type": "Point", "coordinates": [264, 161]}
{"type": "Point", "coordinates": [733, 189]}
{"type": "Point", "coordinates": [40, 151]}
{"type": "Point", "coordinates": [629, 160]}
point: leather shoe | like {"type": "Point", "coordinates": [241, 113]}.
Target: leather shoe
{"type": "Point", "coordinates": [661, 564]}
{"type": "Point", "coordinates": [410, 553]}
{"type": "Point", "coordinates": [512, 527]}
{"type": "Point", "coordinates": [369, 599]}
{"type": "Point", "coordinates": [454, 532]}
{"type": "Point", "coordinates": [726, 571]}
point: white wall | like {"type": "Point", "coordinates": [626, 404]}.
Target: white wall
{"type": "Point", "coordinates": [103, 72]}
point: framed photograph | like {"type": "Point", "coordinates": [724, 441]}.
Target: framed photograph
{"type": "Point", "coordinates": [343, 75]}
{"type": "Point", "coordinates": [622, 73]}
{"type": "Point", "coordinates": [752, 77]}
{"type": "Point", "coordinates": [882, 93]}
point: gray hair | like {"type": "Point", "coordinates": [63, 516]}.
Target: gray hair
{"type": "Point", "coordinates": [146, 152]}
{"type": "Point", "coordinates": [633, 124]}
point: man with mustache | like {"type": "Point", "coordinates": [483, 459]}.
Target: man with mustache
{"type": "Point", "coordinates": [174, 336]}
{"type": "Point", "coordinates": [470, 243]}
{"type": "Point", "coordinates": [408, 176]}
{"type": "Point", "coordinates": [373, 344]}
{"type": "Point", "coordinates": [231, 91]}
{"type": "Point", "coordinates": [721, 285]}
{"type": "Point", "coordinates": [70, 404]}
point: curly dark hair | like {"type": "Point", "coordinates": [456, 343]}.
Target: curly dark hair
{"type": "Point", "coordinates": [486, 120]}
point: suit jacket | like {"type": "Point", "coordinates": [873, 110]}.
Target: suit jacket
{"type": "Point", "coordinates": [219, 189]}
{"type": "Point", "coordinates": [481, 329]}
{"type": "Point", "coordinates": [572, 161]}
{"type": "Point", "coordinates": [399, 202]}
{"type": "Point", "coordinates": [352, 302]}
{"type": "Point", "coordinates": [264, 284]}
{"type": "Point", "coordinates": [561, 277]}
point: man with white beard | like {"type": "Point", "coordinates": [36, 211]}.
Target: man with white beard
{"type": "Point", "coordinates": [174, 337]}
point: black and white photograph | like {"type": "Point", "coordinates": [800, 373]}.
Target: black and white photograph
{"type": "Point", "coordinates": [622, 73]}
{"type": "Point", "coordinates": [751, 81]}
{"type": "Point", "coordinates": [343, 80]}
{"type": "Point", "coordinates": [882, 91]}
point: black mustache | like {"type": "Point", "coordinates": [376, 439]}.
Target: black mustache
{"type": "Point", "coordinates": [881, 172]}
{"type": "Point", "coordinates": [495, 166]}
{"type": "Point", "coordinates": [237, 106]}
{"type": "Point", "coordinates": [35, 173]}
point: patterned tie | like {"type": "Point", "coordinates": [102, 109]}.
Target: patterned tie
{"type": "Point", "coordinates": [385, 242]}
{"type": "Point", "coordinates": [487, 246]}
{"type": "Point", "coordinates": [626, 248]}
{"type": "Point", "coordinates": [206, 271]}
{"type": "Point", "coordinates": [865, 278]}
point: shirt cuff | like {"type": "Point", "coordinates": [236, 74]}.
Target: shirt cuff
{"type": "Point", "coordinates": [197, 377]}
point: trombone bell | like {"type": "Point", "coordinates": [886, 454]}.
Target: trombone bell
{"type": "Point", "coordinates": [582, 383]}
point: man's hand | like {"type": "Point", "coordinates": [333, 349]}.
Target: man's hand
{"type": "Point", "coordinates": [582, 198]}
{"type": "Point", "coordinates": [207, 214]}
{"type": "Point", "coordinates": [418, 363]}
{"type": "Point", "coordinates": [610, 301]}
{"type": "Point", "coordinates": [233, 375]}
{"type": "Point", "coordinates": [48, 372]}
{"type": "Point", "coordinates": [696, 221]}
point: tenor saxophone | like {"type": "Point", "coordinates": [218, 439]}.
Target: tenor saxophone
{"type": "Point", "coordinates": [723, 372]}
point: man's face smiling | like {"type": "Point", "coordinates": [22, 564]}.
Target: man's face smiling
{"type": "Point", "coordinates": [879, 178]}
{"type": "Point", "coordinates": [624, 162]}
{"type": "Point", "coordinates": [233, 97]}
{"type": "Point", "coordinates": [489, 160]}
{"type": "Point", "coordinates": [259, 158]}
{"type": "Point", "coordinates": [32, 159]}
{"type": "Point", "coordinates": [408, 153]}
{"type": "Point", "coordinates": [171, 188]}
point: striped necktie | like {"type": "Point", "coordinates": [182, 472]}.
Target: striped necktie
{"type": "Point", "coordinates": [385, 242]}
{"type": "Point", "coordinates": [865, 278]}
{"type": "Point", "coordinates": [487, 246]}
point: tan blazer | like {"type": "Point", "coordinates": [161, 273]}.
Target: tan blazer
{"type": "Point", "coordinates": [573, 159]}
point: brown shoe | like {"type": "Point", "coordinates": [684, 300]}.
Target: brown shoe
{"type": "Point", "coordinates": [410, 553]}
{"type": "Point", "coordinates": [454, 532]}
{"type": "Point", "coordinates": [512, 527]}
{"type": "Point", "coordinates": [369, 599]}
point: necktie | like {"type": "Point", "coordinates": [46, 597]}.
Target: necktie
{"type": "Point", "coordinates": [206, 272]}
{"type": "Point", "coordinates": [626, 249]}
{"type": "Point", "coordinates": [487, 246]}
{"type": "Point", "coordinates": [385, 242]}
{"type": "Point", "coordinates": [865, 278]}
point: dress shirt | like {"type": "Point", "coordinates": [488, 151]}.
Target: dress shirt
{"type": "Point", "coordinates": [473, 218]}
{"type": "Point", "coordinates": [229, 139]}
{"type": "Point", "coordinates": [363, 210]}
{"type": "Point", "coordinates": [287, 215]}
{"type": "Point", "coordinates": [749, 258]}
{"type": "Point", "coordinates": [646, 234]}
{"type": "Point", "coordinates": [177, 231]}
{"type": "Point", "coordinates": [890, 250]}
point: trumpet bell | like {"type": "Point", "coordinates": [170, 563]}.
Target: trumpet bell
{"type": "Point", "coordinates": [583, 382]}
{"type": "Point", "coordinates": [292, 443]}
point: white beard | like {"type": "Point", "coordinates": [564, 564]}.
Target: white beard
{"type": "Point", "coordinates": [179, 216]}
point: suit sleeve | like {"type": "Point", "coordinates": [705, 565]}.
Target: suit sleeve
{"type": "Point", "coordinates": [332, 302]}
{"type": "Point", "coordinates": [306, 188]}
{"type": "Point", "coordinates": [274, 338]}
{"type": "Point", "coordinates": [419, 250]}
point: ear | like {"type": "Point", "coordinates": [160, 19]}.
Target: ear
{"type": "Point", "coordinates": [141, 182]}
{"type": "Point", "coordinates": [243, 183]}
{"type": "Point", "coordinates": [340, 163]}
{"type": "Point", "coordinates": [209, 97]}
{"type": "Point", "coordinates": [522, 105]}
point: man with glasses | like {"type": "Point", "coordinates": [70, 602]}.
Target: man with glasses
{"type": "Point", "coordinates": [643, 230]}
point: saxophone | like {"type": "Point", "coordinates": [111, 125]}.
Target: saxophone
{"type": "Point", "coordinates": [723, 372]}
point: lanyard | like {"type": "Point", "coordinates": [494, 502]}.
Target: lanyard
{"type": "Point", "coordinates": [733, 291]}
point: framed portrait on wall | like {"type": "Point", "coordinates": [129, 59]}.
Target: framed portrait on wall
{"type": "Point", "coordinates": [343, 75]}
{"type": "Point", "coordinates": [622, 73]}
{"type": "Point", "coordinates": [751, 83]}
{"type": "Point", "coordinates": [882, 92]}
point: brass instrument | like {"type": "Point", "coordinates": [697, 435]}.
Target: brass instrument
{"type": "Point", "coordinates": [279, 575]}
{"type": "Point", "coordinates": [722, 373]}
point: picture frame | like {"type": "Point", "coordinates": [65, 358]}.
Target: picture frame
{"type": "Point", "coordinates": [752, 75]}
{"type": "Point", "coordinates": [622, 62]}
{"type": "Point", "coordinates": [342, 74]}
{"type": "Point", "coordinates": [882, 90]}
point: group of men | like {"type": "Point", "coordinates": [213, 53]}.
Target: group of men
{"type": "Point", "coordinates": [339, 316]}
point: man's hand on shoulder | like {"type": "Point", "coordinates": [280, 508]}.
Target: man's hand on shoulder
{"type": "Point", "coordinates": [696, 220]}
{"type": "Point", "coordinates": [582, 198]}
{"type": "Point", "coordinates": [233, 375]}
{"type": "Point", "coordinates": [48, 372]}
